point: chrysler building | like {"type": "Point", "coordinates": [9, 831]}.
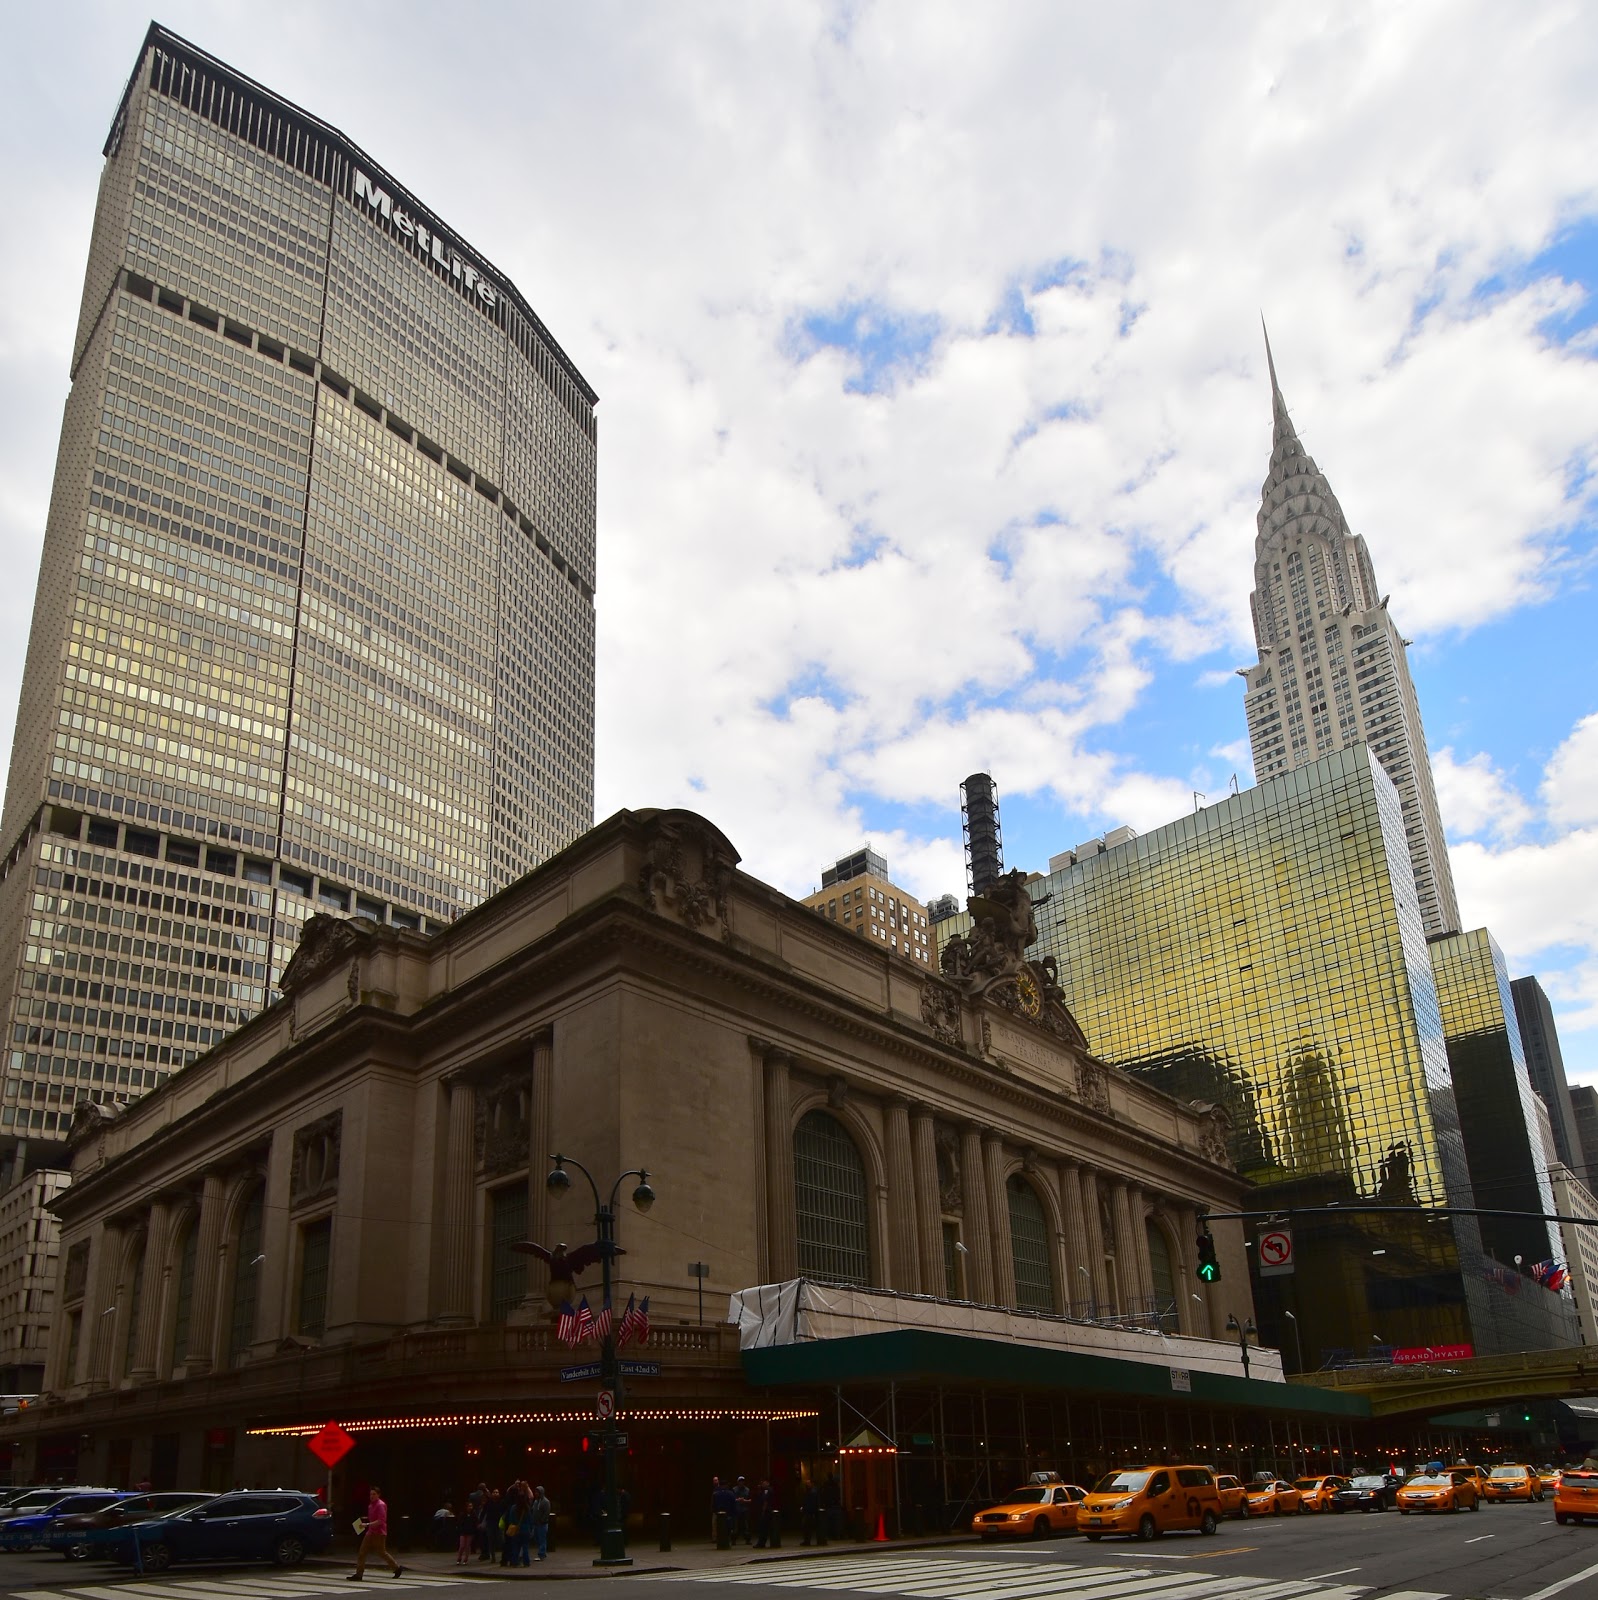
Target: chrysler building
{"type": "Point", "coordinates": [1332, 670]}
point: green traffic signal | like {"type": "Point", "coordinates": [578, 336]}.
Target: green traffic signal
{"type": "Point", "coordinates": [1209, 1269]}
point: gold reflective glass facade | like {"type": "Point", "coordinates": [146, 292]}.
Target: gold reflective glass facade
{"type": "Point", "coordinates": [314, 627]}
{"type": "Point", "coordinates": [1267, 954]}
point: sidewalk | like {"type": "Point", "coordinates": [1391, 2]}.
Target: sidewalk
{"type": "Point", "coordinates": [577, 1560]}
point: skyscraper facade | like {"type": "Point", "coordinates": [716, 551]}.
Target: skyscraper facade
{"type": "Point", "coordinates": [1332, 670]}
{"type": "Point", "coordinates": [314, 625]}
{"type": "Point", "coordinates": [1545, 1064]}
{"type": "Point", "coordinates": [1267, 954]}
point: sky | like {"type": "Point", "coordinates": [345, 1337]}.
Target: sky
{"type": "Point", "coordinates": [934, 408]}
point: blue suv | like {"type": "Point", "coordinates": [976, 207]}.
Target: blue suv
{"type": "Point", "coordinates": [281, 1525]}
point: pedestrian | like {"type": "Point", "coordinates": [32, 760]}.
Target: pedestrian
{"type": "Point", "coordinates": [761, 1508]}
{"type": "Point", "coordinates": [465, 1534]}
{"type": "Point", "coordinates": [374, 1538]}
{"type": "Point", "coordinates": [810, 1515]}
{"type": "Point", "coordinates": [539, 1514]}
{"type": "Point", "coordinates": [740, 1494]}
{"type": "Point", "coordinates": [493, 1526]}
{"type": "Point", "coordinates": [512, 1518]}
{"type": "Point", "coordinates": [723, 1506]}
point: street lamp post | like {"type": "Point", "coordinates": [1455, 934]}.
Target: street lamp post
{"type": "Point", "coordinates": [1243, 1330]}
{"type": "Point", "coordinates": [1298, 1347]}
{"type": "Point", "coordinates": [613, 1536]}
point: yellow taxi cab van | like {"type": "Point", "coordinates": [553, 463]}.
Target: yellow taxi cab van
{"type": "Point", "coordinates": [1576, 1497]}
{"type": "Point", "coordinates": [1144, 1502]}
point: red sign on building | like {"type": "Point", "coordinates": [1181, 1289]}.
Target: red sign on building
{"type": "Point", "coordinates": [330, 1445]}
{"type": "Point", "coordinates": [1410, 1354]}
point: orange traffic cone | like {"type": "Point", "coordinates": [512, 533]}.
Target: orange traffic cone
{"type": "Point", "coordinates": [881, 1536]}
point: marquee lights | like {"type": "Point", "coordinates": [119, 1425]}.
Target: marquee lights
{"type": "Point", "coordinates": [486, 1419]}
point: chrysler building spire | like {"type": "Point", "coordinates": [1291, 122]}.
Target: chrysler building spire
{"type": "Point", "coordinates": [1332, 670]}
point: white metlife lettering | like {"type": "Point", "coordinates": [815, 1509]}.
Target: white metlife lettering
{"type": "Point", "coordinates": [471, 278]}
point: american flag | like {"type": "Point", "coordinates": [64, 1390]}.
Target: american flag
{"type": "Point", "coordinates": [585, 1323]}
{"type": "Point", "coordinates": [566, 1324]}
{"type": "Point", "coordinates": [641, 1321]}
{"type": "Point", "coordinates": [602, 1324]}
{"type": "Point", "coordinates": [625, 1329]}
{"type": "Point", "coordinates": [1550, 1275]}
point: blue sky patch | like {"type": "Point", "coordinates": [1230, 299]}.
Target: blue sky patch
{"type": "Point", "coordinates": [888, 345]}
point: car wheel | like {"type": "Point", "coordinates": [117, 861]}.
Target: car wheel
{"type": "Point", "coordinates": [1559, 1517]}
{"type": "Point", "coordinates": [1146, 1529]}
{"type": "Point", "coordinates": [156, 1557]}
{"type": "Point", "coordinates": [1040, 1528]}
{"type": "Point", "coordinates": [1403, 1511]}
{"type": "Point", "coordinates": [1209, 1524]}
{"type": "Point", "coordinates": [289, 1551]}
{"type": "Point", "coordinates": [76, 1552]}
{"type": "Point", "coordinates": [1093, 1538]}
{"type": "Point", "coordinates": [1475, 1505]}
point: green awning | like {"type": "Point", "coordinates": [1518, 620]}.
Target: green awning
{"type": "Point", "coordinates": [914, 1355]}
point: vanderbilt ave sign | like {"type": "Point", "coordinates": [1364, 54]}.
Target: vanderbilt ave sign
{"type": "Point", "coordinates": [426, 241]}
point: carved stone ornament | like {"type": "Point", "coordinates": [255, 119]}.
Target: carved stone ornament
{"type": "Point", "coordinates": [940, 1010]}
{"type": "Point", "coordinates": [950, 1192]}
{"type": "Point", "coordinates": [504, 1107]}
{"type": "Point", "coordinates": [326, 942]}
{"type": "Point", "coordinates": [1093, 1084]}
{"type": "Point", "coordinates": [1005, 923]}
{"type": "Point", "coordinates": [1215, 1134]}
{"type": "Point", "coordinates": [688, 869]}
{"type": "Point", "coordinates": [314, 1172]}
{"type": "Point", "coordinates": [89, 1119]}
{"type": "Point", "coordinates": [76, 1278]}
{"type": "Point", "coordinates": [837, 1092]}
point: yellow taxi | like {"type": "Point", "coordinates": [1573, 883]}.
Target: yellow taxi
{"type": "Point", "coordinates": [1274, 1498]}
{"type": "Point", "coordinates": [1145, 1502]}
{"type": "Point", "coordinates": [1550, 1478]}
{"type": "Point", "coordinates": [1316, 1494]}
{"type": "Point", "coordinates": [1034, 1512]}
{"type": "Point", "coordinates": [1576, 1498]}
{"type": "Point", "coordinates": [1513, 1483]}
{"type": "Point", "coordinates": [1453, 1489]}
{"type": "Point", "coordinates": [1232, 1494]}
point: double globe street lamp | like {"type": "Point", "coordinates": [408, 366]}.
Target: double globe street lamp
{"type": "Point", "coordinates": [613, 1535]}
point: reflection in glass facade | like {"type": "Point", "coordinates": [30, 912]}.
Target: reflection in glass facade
{"type": "Point", "coordinates": [314, 628]}
{"type": "Point", "coordinates": [1267, 954]}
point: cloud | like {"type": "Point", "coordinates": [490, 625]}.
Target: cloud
{"type": "Point", "coordinates": [1476, 799]}
{"type": "Point", "coordinates": [1570, 789]}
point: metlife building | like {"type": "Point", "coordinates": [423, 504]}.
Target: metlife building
{"type": "Point", "coordinates": [314, 628]}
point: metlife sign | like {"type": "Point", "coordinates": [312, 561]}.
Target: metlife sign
{"type": "Point", "coordinates": [425, 240]}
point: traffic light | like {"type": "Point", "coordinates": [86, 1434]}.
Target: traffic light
{"type": "Point", "coordinates": [1209, 1269]}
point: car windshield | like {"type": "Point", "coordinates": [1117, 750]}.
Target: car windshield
{"type": "Point", "coordinates": [1369, 1483]}
{"type": "Point", "coordinates": [36, 1501]}
{"type": "Point", "coordinates": [1509, 1472]}
{"type": "Point", "coordinates": [1306, 1483]}
{"type": "Point", "coordinates": [1428, 1480]}
{"type": "Point", "coordinates": [1121, 1482]}
{"type": "Point", "coordinates": [1027, 1497]}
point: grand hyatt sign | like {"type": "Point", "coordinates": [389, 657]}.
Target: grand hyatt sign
{"type": "Point", "coordinates": [426, 241]}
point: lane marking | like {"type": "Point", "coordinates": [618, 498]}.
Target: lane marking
{"type": "Point", "coordinates": [1480, 1536]}
{"type": "Point", "coordinates": [1564, 1583]}
{"type": "Point", "coordinates": [1342, 1572]}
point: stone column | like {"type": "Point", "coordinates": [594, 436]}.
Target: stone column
{"type": "Point", "coordinates": [1000, 1243]}
{"type": "Point", "coordinates": [1188, 1309]}
{"type": "Point", "coordinates": [903, 1202]}
{"type": "Point", "coordinates": [1103, 1303]}
{"type": "Point", "coordinates": [1125, 1250]}
{"type": "Point", "coordinates": [452, 1295]}
{"type": "Point", "coordinates": [153, 1293]}
{"type": "Point", "coordinates": [977, 1233]}
{"type": "Point", "coordinates": [1078, 1272]}
{"type": "Point", "coordinates": [203, 1313]}
{"type": "Point", "coordinates": [100, 1332]}
{"type": "Point", "coordinates": [929, 1200]}
{"type": "Point", "coordinates": [540, 1136]}
{"type": "Point", "coordinates": [782, 1229]}
{"type": "Point", "coordinates": [1137, 1213]}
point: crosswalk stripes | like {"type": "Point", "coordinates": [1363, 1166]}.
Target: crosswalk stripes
{"type": "Point", "coordinates": [948, 1578]}
{"type": "Point", "coordinates": [299, 1586]}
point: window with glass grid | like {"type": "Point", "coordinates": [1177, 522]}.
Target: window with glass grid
{"type": "Point", "coordinates": [1160, 1270]}
{"type": "Point", "coordinates": [507, 1272]}
{"type": "Point", "coordinates": [183, 1311]}
{"type": "Point", "coordinates": [830, 1202]}
{"type": "Point", "coordinates": [135, 1299]}
{"type": "Point", "coordinates": [316, 1249]}
{"type": "Point", "coordinates": [1029, 1248]}
{"type": "Point", "coordinates": [953, 1283]}
{"type": "Point", "coordinates": [246, 1277]}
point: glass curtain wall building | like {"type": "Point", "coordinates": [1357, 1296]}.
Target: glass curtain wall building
{"type": "Point", "coordinates": [314, 626]}
{"type": "Point", "coordinates": [1268, 954]}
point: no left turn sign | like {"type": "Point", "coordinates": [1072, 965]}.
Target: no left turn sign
{"type": "Point", "coordinates": [1276, 1252]}
{"type": "Point", "coordinates": [605, 1404]}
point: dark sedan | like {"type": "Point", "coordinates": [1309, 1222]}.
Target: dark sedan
{"type": "Point", "coordinates": [70, 1533]}
{"type": "Point", "coordinates": [281, 1525]}
{"type": "Point", "coordinates": [26, 1526]}
{"type": "Point", "coordinates": [1372, 1491]}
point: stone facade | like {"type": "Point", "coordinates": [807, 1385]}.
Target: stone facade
{"type": "Point", "coordinates": [313, 1218]}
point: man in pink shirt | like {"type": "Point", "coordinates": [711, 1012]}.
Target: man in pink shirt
{"type": "Point", "coordinates": [374, 1538]}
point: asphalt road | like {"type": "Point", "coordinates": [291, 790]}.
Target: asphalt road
{"type": "Point", "coordinates": [1502, 1553]}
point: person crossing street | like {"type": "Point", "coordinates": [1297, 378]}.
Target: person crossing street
{"type": "Point", "coordinates": [374, 1539]}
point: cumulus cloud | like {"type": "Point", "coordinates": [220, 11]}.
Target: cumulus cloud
{"type": "Point", "coordinates": [1476, 799]}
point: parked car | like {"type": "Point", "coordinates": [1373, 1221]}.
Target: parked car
{"type": "Point", "coordinates": [69, 1533]}
{"type": "Point", "coordinates": [1232, 1494]}
{"type": "Point", "coordinates": [281, 1525]}
{"type": "Point", "coordinates": [25, 1524]}
{"type": "Point", "coordinates": [1037, 1510]}
{"type": "Point", "coordinates": [1370, 1491]}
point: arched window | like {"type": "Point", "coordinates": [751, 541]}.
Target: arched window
{"type": "Point", "coordinates": [829, 1183]}
{"type": "Point", "coordinates": [1029, 1247]}
{"type": "Point", "coordinates": [1164, 1276]}
{"type": "Point", "coordinates": [246, 1277]}
{"type": "Point", "coordinates": [183, 1308]}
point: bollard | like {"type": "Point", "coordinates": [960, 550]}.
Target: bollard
{"type": "Point", "coordinates": [723, 1538]}
{"type": "Point", "coordinates": [665, 1530]}
{"type": "Point", "coordinates": [776, 1530]}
